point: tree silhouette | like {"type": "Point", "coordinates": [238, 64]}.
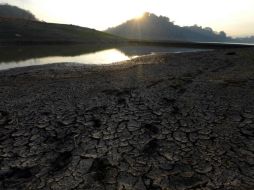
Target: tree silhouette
{"type": "Point", "coordinates": [9, 11]}
{"type": "Point", "coordinates": [153, 27]}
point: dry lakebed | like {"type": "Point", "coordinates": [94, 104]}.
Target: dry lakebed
{"type": "Point", "coordinates": [159, 122]}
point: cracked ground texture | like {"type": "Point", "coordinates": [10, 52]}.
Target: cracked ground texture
{"type": "Point", "coordinates": [161, 122]}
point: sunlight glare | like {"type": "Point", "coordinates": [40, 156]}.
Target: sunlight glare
{"type": "Point", "coordinates": [140, 16]}
{"type": "Point", "coordinates": [234, 15]}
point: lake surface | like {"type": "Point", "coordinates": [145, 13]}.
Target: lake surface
{"type": "Point", "coordinates": [12, 57]}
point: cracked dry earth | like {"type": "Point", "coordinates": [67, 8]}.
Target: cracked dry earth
{"type": "Point", "coordinates": [163, 122]}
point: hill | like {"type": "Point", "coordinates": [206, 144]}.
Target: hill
{"type": "Point", "coordinates": [20, 31]}
{"type": "Point", "coordinates": [245, 40]}
{"type": "Point", "coordinates": [9, 11]}
{"type": "Point", "coordinates": [153, 27]}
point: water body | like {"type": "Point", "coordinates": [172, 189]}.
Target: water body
{"type": "Point", "coordinates": [22, 56]}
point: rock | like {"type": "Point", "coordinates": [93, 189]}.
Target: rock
{"type": "Point", "coordinates": [125, 181]}
{"type": "Point", "coordinates": [139, 185]}
{"type": "Point", "coordinates": [183, 123]}
{"type": "Point", "coordinates": [168, 155]}
{"type": "Point", "coordinates": [180, 136]}
{"type": "Point", "coordinates": [84, 165]}
{"type": "Point", "coordinates": [20, 141]}
{"type": "Point", "coordinates": [205, 131]}
{"type": "Point", "coordinates": [88, 156]}
{"type": "Point", "coordinates": [236, 118]}
{"type": "Point", "coordinates": [167, 166]}
{"type": "Point", "coordinates": [97, 135]}
{"type": "Point", "coordinates": [248, 115]}
{"type": "Point", "coordinates": [187, 174]}
{"type": "Point", "coordinates": [247, 131]}
{"type": "Point", "coordinates": [203, 168]}
{"type": "Point", "coordinates": [193, 137]}
{"type": "Point", "coordinates": [158, 113]}
{"type": "Point", "coordinates": [179, 182]}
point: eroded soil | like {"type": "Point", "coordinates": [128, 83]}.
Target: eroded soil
{"type": "Point", "coordinates": [171, 122]}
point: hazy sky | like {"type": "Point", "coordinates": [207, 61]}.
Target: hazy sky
{"type": "Point", "coordinates": [235, 17]}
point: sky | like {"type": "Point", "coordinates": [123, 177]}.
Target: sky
{"type": "Point", "coordinates": [235, 17]}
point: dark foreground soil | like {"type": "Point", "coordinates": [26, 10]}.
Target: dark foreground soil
{"type": "Point", "coordinates": [162, 122]}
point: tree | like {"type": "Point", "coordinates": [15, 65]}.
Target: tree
{"type": "Point", "coordinates": [10, 11]}
{"type": "Point", "coordinates": [223, 34]}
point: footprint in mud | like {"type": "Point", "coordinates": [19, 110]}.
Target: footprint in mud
{"type": "Point", "coordinates": [120, 94]}
{"type": "Point", "coordinates": [100, 167]}
{"type": "Point", "coordinates": [168, 101]}
{"type": "Point", "coordinates": [61, 161]}
{"type": "Point", "coordinates": [16, 173]}
{"type": "Point", "coordinates": [175, 110]}
{"type": "Point", "coordinates": [176, 83]}
{"type": "Point", "coordinates": [154, 83]}
{"type": "Point", "coordinates": [231, 53]}
{"type": "Point", "coordinates": [151, 147]}
{"type": "Point", "coordinates": [96, 123]}
{"type": "Point", "coordinates": [116, 92]}
{"type": "Point", "coordinates": [121, 101]}
{"type": "Point", "coordinates": [110, 92]}
{"type": "Point", "coordinates": [151, 129]}
{"type": "Point", "coordinates": [15, 177]}
{"type": "Point", "coordinates": [3, 118]}
{"type": "Point", "coordinates": [181, 91]}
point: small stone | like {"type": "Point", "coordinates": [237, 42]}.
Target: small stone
{"type": "Point", "coordinates": [187, 129]}
{"type": "Point", "coordinates": [140, 185]}
{"type": "Point", "coordinates": [247, 121]}
{"type": "Point", "coordinates": [204, 169]}
{"type": "Point", "coordinates": [97, 135]}
{"type": "Point", "coordinates": [166, 166]}
{"type": "Point", "coordinates": [248, 115]}
{"type": "Point", "coordinates": [133, 123]}
{"type": "Point", "coordinates": [42, 125]}
{"type": "Point", "coordinates": [20, 142]}
{"type": "Point", "coordinates": [193, 137]}
{"type": "Point", "coordinates": [88, 155]}
{"type": "Point", "coordinates": [158, 113]}
{"type": "Point", "coordinates": [180, 136]}
{"type": "Point", "coordinates": [183, 123]}
{"type": "Point", "coordinates": [247, 131]}
{"type": "Point", "coordinates": [205, 131]}
{"type": "Point", "coordinates": [203, 137]}
{"type": "Point", "coordinates": [236, 118]}
{"type": "Point", "coordinates": [168, 156]}
{"type": "Point", "coordinates": [125, 181]}
{"type": "Point", "coordinates": [187, 174]}
{"type": "Point", "coordinates": [18, 133]}
{"type": "Point", "coordinates": [179, 182]}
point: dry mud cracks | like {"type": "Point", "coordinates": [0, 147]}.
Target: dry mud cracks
{"type": "Point", "coordinates": [167, 122]}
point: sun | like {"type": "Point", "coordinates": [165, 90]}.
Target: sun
{"type": "Point", "coordinates": [139, 16]}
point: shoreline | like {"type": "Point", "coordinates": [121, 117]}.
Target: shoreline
{"type": "Point", "coordinates": [139, 60]}
{"type": "Point", "coordinates": [87, 65]}
{"type": "Point", "coordinates": [167, 121]}
{"type": "Point", "coordinates": [123, 41]}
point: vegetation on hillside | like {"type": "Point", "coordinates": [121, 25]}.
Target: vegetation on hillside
{"type": "Point", "coordinates": [10, 11]}
{"type": "Point", "coordinates": [153, 27]}
{"type": "Point", "coordinates": [245, 40]}
{"type": "Point", "coordinates": [18, 26]}
{"type": "Point", "coordinates": [27, 31]}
